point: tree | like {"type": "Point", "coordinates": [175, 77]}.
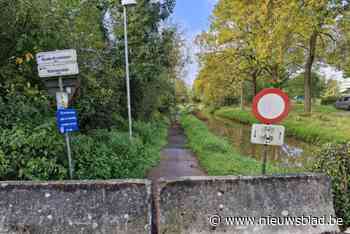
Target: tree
{"type": "Point", "coordinates": [217, 81]}
{"type": "Point", "coordinates": [276, 39]}
{"type": "Point", "coordinates": [182, 92]}
{"type": "Point", "coordinates": [315, 27]}
{"type": "Point", "coordinates": [250, 40]}
{"type": "Point", "coordinates": [29, 27]}
{"type": "Point", "coordinates": [295, 86]}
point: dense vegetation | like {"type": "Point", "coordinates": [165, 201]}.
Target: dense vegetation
{"type": "Point", "coordinates": [261, 43]}
{"type": "Point", "coordinates": [30, 146]}
{"type": "Point", "coordinates": [334, 160]}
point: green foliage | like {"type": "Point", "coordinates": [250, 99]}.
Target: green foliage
{"type": "Point", "coordinates": [43, 25]}
{"type": "Point", "coordinates": [270, 42]}
{"type": "Point", "coordinates": [110, 154]}
{"type": "Point", "coordinates": [32, 153]}
{"type": "Point", "coordinates": [331, 89]}
{"type": "Point", "coordinates": [216, 155]}
{"type": "Point", "coordinates": [295, 86]}
{"type": "Point", "coordinates": [330, 100]}
{"type": "Point", "coordinates": [334, 160]}
{"type": "Point", "coordinates": [38, 153]}
{"type": "Point", "coordinates": [24, 105]}
{"type": "Point", "coordinates": [30, 147]}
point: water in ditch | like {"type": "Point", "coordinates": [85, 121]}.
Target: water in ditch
{"type": "Point", "coordinates": [294, 154]}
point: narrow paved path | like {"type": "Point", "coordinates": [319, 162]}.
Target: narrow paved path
{"type": "Point", "coordinates": [175, 159]}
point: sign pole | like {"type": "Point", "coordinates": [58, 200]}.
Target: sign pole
{"type": "Point", "coordinates": [67, 139]}
{"type": "Point", "coordinates": [66, 136]}
{"type": "Point", "coordinates": [264, 159]}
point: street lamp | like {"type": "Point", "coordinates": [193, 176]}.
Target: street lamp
{"type": "Point", "coordinates": [125, 3]}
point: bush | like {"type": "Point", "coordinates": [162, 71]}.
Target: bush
{"type": "Point", "coordinates": [329, 100]}
{"type": "Point", "coordinates": [29, 108]}
{"type": "Point", "coordinates": [334, 160]}
{"type": "Point", "coordinates": [111, 154]}
{"type": "Point", "coordinates": [28, 153]}
{"type": "Point", "coordinates": [116, 157]}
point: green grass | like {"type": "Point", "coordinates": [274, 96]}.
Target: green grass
{"type": "Point", "coordinates": [325, 124]}
{"type": "Point", "coordinates": [216, 155]}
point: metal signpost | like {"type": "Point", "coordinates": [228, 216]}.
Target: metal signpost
{"type": "Point", "coordinates": [57, 64]}
{"type": "Point", "coordinates": [270, 106]}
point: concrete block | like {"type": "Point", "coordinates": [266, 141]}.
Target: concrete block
{"type": "Point", "coordinates": [188, 204]}
{"type": "Point", "coordinates": [113, 207]}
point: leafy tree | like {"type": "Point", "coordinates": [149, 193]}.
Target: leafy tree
{"type": "Point", "coordinates": [30, 146]}
{"type": "Point", "coordinates": [331, 89]}
{"type": "Point", "coordinates": [295, 86]}
{"type": "Point", "coordinates": [316, 24]}
{"type": "Point", "coordinates": [49, 25]}
{"type": "Point", "coordinates": [250, 42]}
{"type": "Point", "coordinates": [272, 40]}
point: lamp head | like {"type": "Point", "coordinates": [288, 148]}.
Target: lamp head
{"type": "Point", "coordinates": [128, 2]}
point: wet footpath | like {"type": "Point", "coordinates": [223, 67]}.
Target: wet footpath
{"type": "Point", "coordinates": [176, 160]}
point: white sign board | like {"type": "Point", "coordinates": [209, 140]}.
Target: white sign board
{"type": "Point", "coordinates": [267, 134]}
{"type": "Point", "coordinates": [62, 100]}
{"type": "Point", "coordinates": [58, 70]}
{"type": "Point", "coordinates": [128, 2]}
{"type": "Point", "coordinates": [56, 57]}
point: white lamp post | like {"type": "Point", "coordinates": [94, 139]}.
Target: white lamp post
{"type": "Point", "coordinates": [125, 3]}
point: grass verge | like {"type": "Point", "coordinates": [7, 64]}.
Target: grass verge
{"type": "Point", "coordinates": [216, 155]}
{"type": "Point", "coordinates": [322, 126]}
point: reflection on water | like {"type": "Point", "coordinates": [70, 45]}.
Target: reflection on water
{"type": "Point", "coordinates": [293, 154]}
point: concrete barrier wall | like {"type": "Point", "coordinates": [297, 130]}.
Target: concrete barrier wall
{"type": "Point", "coordinates": [185, 205]}
{"type": "Point", "coordinates": [113, 207]}
{"type": "Point", "coordinates": [188, 204]}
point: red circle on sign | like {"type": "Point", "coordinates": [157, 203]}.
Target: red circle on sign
{"type": "Point", "coordinates": [271, 106]}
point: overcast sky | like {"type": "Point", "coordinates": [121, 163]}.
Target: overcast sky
{"type": "Point", "coordinates": [193, 18]}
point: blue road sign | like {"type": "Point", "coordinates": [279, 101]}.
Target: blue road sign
{"type": "Point", "coordinates": [67, 120]}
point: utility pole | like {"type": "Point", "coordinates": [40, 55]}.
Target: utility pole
{"type": "Point", "coordinates": [125, 3]}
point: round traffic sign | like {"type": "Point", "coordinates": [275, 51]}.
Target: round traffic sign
{"type": "Point", "coordinates": [271, 106]}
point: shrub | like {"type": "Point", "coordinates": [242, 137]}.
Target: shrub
{"type": "Point", "coordinates": [28, 153]}
{"type": "Point", "coordinates": [329, 100]}
{"type": "Point", "coordinates": [111, 154]}
{"type": "Point", "coordinates": [334, 160]}
{"type": "Point", "coordinates": [17, 108]}
{"type": "Point", "coordinates": [115, 157]}
{"type": "Point", "coordinates": [38, 153]}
